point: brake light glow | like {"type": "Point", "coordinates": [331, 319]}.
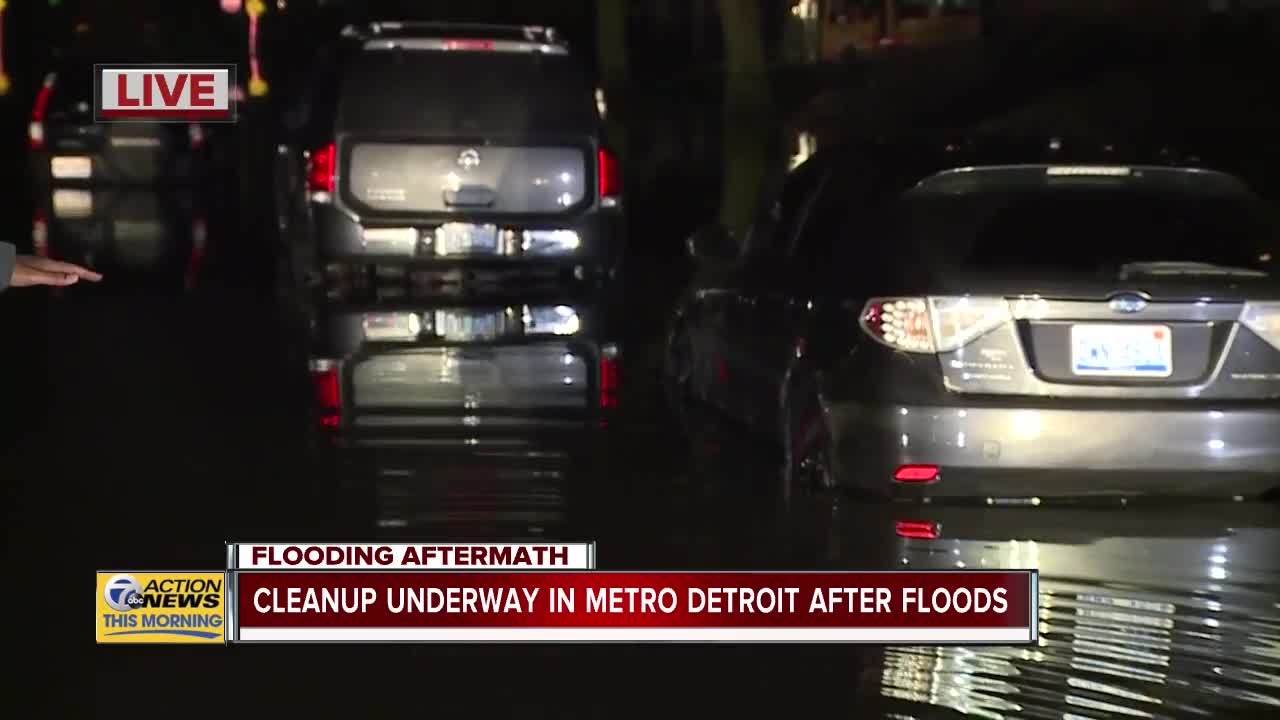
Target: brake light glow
{"type": "Point", "coordinates": [932, 324]}
{"type": "Point", "coordinates": [916, 473]}
{"type": "Point", "coordinates": [1263, 318]}
{"type": "Point", "coordinates": [919, 529]}
{"type": "Point", "coordinates": [35, 130]}
{"type": "Point", "coordinates": [610, 179]}
{"type": "Point", "coordinates": [609, 379]}
{"type": "Point", "coordinates": [465, 44]}
{"type": "Point", "coordinates": [328, 393]}
{"type": "Point", "coordinates": [320, 166]}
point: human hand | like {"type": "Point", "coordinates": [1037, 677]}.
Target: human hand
{"type": "Point", "coordinates": [30, 270]}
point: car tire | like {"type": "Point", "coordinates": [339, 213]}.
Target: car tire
{"type": "Point", "coordinates": [807, 469]}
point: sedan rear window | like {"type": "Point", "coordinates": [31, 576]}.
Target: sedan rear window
{"type": "Point", "coordinates": [466, 93]}
{"type": "Point", "coordinates": [1085, 228]}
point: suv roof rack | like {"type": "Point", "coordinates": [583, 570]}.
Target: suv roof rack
{"type": "Point", "coordinates": [413, 35]}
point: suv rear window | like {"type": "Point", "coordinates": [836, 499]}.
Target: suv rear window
{"type": "Point", "coordinates": [466, 93]}
{"type": "Point", "coordinates": [1084, 227]}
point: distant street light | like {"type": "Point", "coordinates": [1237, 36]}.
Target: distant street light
{"type": "Point", "coordinates": [5, 83]}
{"type": "Point", "coordinates": [231, 6]}
{"type": "Point", "coordinates": [257, 84]}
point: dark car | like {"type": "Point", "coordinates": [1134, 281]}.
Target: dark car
{"type": "Point", "coordinates": [134, 235]}
{"type": "Point", "coordinates": [69, 148]}
{"type": "Point", "coordinates": [451, 147]}
{"type": "Point", "coordinates": [972, 325]}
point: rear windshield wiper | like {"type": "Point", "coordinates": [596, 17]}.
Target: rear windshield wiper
{"type": "Point", "coordinates": [1187, 268]}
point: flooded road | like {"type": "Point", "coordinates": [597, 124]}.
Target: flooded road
{"type": "Point", "coordinates": [163, 413]}
{"type": "Point", "coordinates": [1144, 613]}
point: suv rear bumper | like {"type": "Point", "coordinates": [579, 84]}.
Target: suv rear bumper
{"type": "Point", "coordinates": [1033, 452]}
{"type": "Point", "coordinates": [340, 237]}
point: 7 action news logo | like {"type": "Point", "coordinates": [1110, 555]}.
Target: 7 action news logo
{"type": "Point", "coordinates": [124, 593]}
{"type": "Point", "coordinates": [161, 607]}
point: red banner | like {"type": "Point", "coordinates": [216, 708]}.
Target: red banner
{"type": "Point", "coordinates": [938, 606]}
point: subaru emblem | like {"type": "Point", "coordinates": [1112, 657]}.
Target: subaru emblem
{"type": "Point", "coordinates": [469, 158]}
{"type": "Point", "coordinates": [1128, 303]}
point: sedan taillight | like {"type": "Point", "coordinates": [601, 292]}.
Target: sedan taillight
{"type": "Point", "coordinates": [932, 324]}
{"type": "Point", "coordinates": [1263, 318]}
{"type": "Point", "coordinates": [900, 323]}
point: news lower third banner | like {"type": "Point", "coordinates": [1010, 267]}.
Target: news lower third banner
{"type": "Point", "coordinates": [539, 593]}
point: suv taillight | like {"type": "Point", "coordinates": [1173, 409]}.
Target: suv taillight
{"type": "Point", "coordinates": [609, 379]}
{"type": "Point", "coordinates": [320, 165]}
{"type": "Point", "coordinates": [932, 324]}
{"type": "Point", "coordinates": [325, 380]}
{"type": "Point", "coordinates": [610, 174]}
{"type": "Point", "coordinates": [35, 131]}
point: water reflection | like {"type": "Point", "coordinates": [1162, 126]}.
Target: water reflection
{"type": "Point", "coordinates": [1144, 612]}
{"type": "Point", "coordinates": [1147, 611]}
{"type": "Point", "coordinates": [465, 419]}
{"type": "Point", "coordinates": [132, 235]}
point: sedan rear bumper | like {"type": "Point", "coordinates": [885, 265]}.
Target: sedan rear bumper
{"type": "Point", "coordinates": [1034, 452]}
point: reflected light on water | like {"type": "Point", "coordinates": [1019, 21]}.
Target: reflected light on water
{"type": "Point", "coordinates": [1128, 627]}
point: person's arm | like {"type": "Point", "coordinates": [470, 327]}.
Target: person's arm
{"type": "Point", "coordinates": [27, 270]}
{"type": "Point", "coordinates": [8, 260]}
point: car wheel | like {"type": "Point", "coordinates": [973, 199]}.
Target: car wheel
{"type": "Point", "coordinates": [807, 467]}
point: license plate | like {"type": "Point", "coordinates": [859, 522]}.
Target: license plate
{"type": "Point", "coordinates": [1122, 350]}
{"type": "Point", "coordinates": [464, 239]}
{"type": "Point", "coordinates": [454, 326]}
{"type": "Point", "coordinates": [71, 167]}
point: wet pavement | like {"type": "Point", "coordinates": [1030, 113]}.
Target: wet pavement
{"type": "Point", "coordinates": [160, 414]}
